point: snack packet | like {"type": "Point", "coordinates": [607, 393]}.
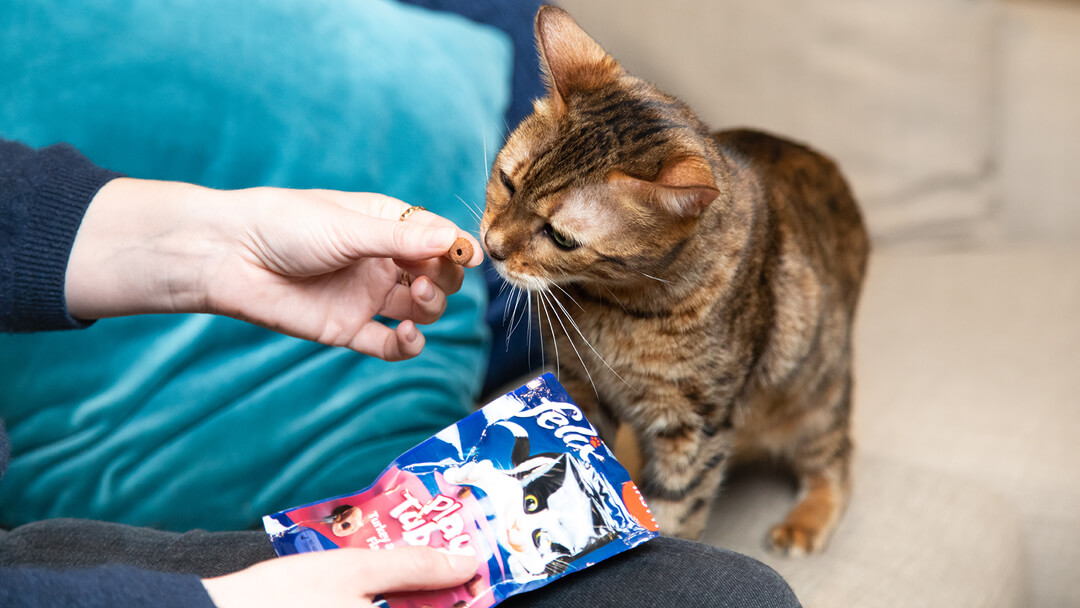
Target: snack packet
{"type": "Point", "coordinates": [524, 485]}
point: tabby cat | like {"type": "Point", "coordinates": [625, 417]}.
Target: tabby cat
{"type": "Point", "coordinates": [697, 288]}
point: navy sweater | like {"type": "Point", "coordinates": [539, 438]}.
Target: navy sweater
{"type": "Point", "coordinates": [43, 197]}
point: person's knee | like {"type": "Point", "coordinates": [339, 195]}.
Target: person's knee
{"type": "Point", "coordinates": [668, 572]}
{"type": "Point", "coordinates": [759, 581]}
{"type": "Point", "coordinates": [729, 579]}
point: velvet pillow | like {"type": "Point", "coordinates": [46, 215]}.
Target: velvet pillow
{"type": "Point", "coordinates": [199, 421]}
{"type": "Point", "coordinates": [515, 350]}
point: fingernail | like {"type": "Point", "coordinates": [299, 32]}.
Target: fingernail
{"type": "Point", "coordinates": [462, 563]}
{"type": "Point", "coordinates": [442, 237]}
{"type": "Point", "coordinates": [427, 291]}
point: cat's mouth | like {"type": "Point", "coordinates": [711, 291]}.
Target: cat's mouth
{"type": "Point", "coordinates": [521, 281]}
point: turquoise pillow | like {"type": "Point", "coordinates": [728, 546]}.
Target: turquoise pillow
{"type": "Point", "coordinates": [199, 421]}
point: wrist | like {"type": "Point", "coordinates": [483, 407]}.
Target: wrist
{"type": "Point", "coordinates": [144, 247]}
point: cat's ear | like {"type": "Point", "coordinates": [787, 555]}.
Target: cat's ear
{"type": "Point", "coordinates": [684, 187]}
{"type": "Point", "coordinates": [570, 59]}
{"type": "Point", "coordinates": [521, 450]}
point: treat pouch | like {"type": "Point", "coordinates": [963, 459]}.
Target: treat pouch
{"type": "Point", "coordinates": [524, 484]}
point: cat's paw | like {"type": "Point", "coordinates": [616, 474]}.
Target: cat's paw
{"type": "Point", "coordinates": [794, 540]}
{"type": "Point", "coordinates": [673, 520]}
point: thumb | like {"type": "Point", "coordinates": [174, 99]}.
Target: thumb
{"type": "Point", "coordinates": [421, 568]}
{"type": "Point", "coordinates": [379, 238]}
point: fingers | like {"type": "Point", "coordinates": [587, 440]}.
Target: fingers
{"type": "Point", "coordinates": [423, 301]}
{"type": "Point", "coordinates": [444, 273]}
{"type": "Point", "coordinates": [342, 577]}
{"type": "Point", "coordinates": [390, 344]}
{"type": "Point", "coordinates": [420, 568]}
{"type": "Point", "coordinates": [427, 302]}
{"type": "Point", "coordinates": [378, 238]}
{"type": "Point", "coordinates": [424, 235]}
{"type": "Point", "coordinates": [368, 203]}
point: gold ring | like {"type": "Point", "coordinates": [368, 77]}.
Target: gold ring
{"type": "Point", "coordinates": [408, 212]}
{"type": "Point", "coordinates": [406, 278]}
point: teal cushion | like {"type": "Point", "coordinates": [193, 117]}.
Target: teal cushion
{"type": "Point", "coordinates": [197, 421]}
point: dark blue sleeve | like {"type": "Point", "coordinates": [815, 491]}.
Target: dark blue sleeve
{"type": "Point", "coordinates": [43, 197]}
{"type": "Point", "coordinates": [103, 587]}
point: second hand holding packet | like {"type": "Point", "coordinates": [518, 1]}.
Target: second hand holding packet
{"type": "Point", "coordinates": [524, 485]}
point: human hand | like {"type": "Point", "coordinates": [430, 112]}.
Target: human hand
{"type": "Point", "coordinates": [321, 265]}
{"type": "Point", "coordinates": [315, 264]}
{"type": "Point", "coordinates": [340, 577]}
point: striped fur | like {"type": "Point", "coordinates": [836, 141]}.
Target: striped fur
{"type": "Point", "coordinates": [699, 288]}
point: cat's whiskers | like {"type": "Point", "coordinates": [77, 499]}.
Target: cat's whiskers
{"type": "Point", "coordinates": [615, 297]}
{"type": "Point", "coordinates": [475, 211]}
{"type": "Point", "coordinates": [551, 326]}
{"type": "Point", "coordinates": [539, 331]}
{"type": "Point", "coordinates": [549, 296]}
{"type": "Point", "coordinates": [515, 318]}
{"type": "Point", "coordinates": [506, 304]}
{"type": "Point", "coordinates": [487, 167]}
{"type": "Point", "coordinates": [528, 328]}
{"type": "Point", "coordinates": [569, 296]}
{"type": "Point", "coordinates": [649, 276]}
{"type": "Point", "coordinates": [514, 324]}
{"type": "Point", "coordinates": [574, 324]}
{"type": "Point", "coordinates": [510, 309]}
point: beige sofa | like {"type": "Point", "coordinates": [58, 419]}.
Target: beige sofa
{"type": "Point", "coordinates": [968, 432]}
{"type": "Point", "coordinates": [957, 124]}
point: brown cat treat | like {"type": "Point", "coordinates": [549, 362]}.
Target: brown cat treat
{"type": "Point", "coordinates": [699, 288]}
{"type": "Point", "coordinates": [460, 252]}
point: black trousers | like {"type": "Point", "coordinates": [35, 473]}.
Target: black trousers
{"type": "Point", "coordinates": [662, 572]}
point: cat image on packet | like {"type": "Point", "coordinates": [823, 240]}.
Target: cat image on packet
{"type": "Point", "coordinates": [523, 484]}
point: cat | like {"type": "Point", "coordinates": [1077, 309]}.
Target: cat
{"type": "Point", "coordinates": [698, 288]}
{"type": "Point", "coordinates": [548, 508]}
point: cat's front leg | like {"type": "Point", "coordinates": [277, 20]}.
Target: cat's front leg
{"type": "Point", "coordinates": [823, 463]}
{"type": "Point", "coordinates": [684, 467]}
{"type": "Point", "coordinates": [823, 495]}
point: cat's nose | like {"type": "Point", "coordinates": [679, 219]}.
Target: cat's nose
{"type": "Point", "coordinates": [496, 247]}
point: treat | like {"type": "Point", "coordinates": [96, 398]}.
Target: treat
{"type": "Point", "coordinates": [524, 485]}
{"type": "Point", "coordinates": [460, 252]}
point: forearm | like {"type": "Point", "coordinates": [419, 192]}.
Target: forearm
{"type": "Point", "coordinates": [315, 264]}
{"type": "Point", "coordinates": [145, 247]}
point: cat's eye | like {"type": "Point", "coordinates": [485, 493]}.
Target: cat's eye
{"type": "Point", "coordinates": [564, 242]}
{"type": "Point", "coordinates": [540, 539]}
{"type": "Point", "coordinates": [506, 182]}
{"type": "Point", "coordinates": [531, 504]}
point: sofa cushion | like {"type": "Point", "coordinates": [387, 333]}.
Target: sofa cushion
{"type": "Point", "coordinates": [515, 349]}
{"type": "Point", "coordinates": [199, 421]}
{"type": "Point", "coordinates": [910, 537]}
